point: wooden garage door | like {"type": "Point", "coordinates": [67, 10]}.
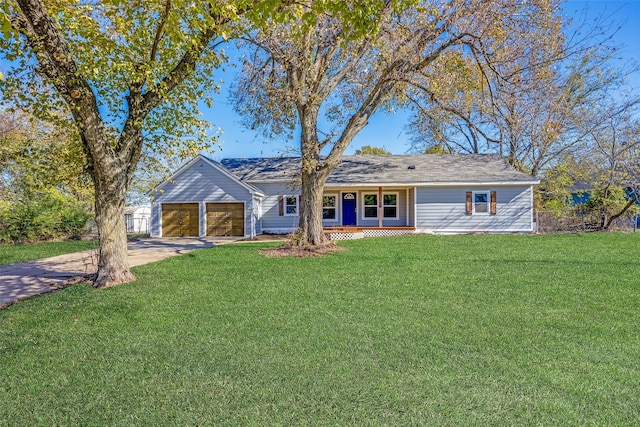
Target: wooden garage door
{"type": "Point", "coordinates": [180, 219]}
{"type": "Point", "coordinates": [225, 219]}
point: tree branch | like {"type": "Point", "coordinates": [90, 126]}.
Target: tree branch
{"type": "Point", "coordinates": [57, 64]}
{"type": "Point", "coordinates": [158, 36]}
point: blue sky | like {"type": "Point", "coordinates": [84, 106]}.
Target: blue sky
{"type": "Point", "coordinates": [389, 130]}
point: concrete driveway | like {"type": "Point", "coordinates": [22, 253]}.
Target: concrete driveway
{"type": "Point", "coordinates": [27, 279]}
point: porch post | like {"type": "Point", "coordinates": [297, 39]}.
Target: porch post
{"type": "Point", "coordinates": [380, 213]}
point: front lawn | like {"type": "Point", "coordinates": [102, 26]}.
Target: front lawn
{"type": "Point", "coordinates": [11, 254]}
{"type": "Point", "coordinates": [417, 330]}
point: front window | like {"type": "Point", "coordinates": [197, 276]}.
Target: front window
{"type": "Point", "coordinates": [481, 203]}
{"type": "Point", "coordinates": [291, 205]}
{"type": "Point", "coordinates": [371, 206]}
{"type": "Point", "coordinates": [329, 207]}
{"type": "Point", "coordinates": [389, 205]}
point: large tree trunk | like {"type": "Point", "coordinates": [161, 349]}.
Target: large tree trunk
{"type": "Point", "coordinates": [110, 197]}
{"type": "Point", "coordinates": [314, 174]}
{"type": "Point", "coordinates": [113, 266]}
{"type": "Point", "coordinates": [609, 222]}
{"type": "Point", "coordinates": [311, 207]}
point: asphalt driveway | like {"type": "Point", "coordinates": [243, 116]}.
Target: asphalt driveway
{"type": "Point", "coordinates": [27, 279]}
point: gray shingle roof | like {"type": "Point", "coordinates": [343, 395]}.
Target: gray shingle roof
{"type": "Point", "coordinates": [396, 169]}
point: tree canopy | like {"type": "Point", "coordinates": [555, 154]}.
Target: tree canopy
{"type": "Point", "coordinates": [130, 75]}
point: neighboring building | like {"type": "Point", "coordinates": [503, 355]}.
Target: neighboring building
{"type": "Point", "coordinates": [452, 193]}
{"type": "Point", "coordinates": [137, 219]}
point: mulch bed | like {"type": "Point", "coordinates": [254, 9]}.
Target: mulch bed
{"type": "Point", "coordinates": [301, 251]}
{"type": "Point", "coordinates": [265, 238]}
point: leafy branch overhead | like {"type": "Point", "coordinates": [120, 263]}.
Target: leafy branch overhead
{"type": "Point", "coordinates": [123, 61]}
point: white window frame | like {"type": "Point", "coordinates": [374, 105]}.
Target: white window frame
{"type": "Point", "coordinates": [473, 202]}
{"type": "Point", "coordinates": [284, 205]}
{"type": "Point", "coordinates": [397, 205]}
{"type": "Point", "coordinates": [371, 193]}
{"type": "Point", "coordinates": [364, 207]}
{"type": "Point", "coordinates": [335, 207]}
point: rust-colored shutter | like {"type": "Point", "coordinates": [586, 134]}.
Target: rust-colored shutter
{"type": "Point", "coordinates": [469, 202]}
{"type": "Point", "coordinates": [494, 203]}
{"type": "Point", "coordinates": [280, 205]}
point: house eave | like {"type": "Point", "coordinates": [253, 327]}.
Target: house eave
{"type": "Point", "coordinates": [474, 184]}
{"type": "Point", "coordinates": [410, 184]}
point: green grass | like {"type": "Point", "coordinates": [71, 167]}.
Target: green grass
{"type": "Point", "coordinates": [420, 330]}
{"type": "Point", "coordinates": [11, 254]}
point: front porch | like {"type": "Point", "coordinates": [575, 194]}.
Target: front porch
{"type": "Point", "coordinates": [353, 233]}
{"type": "Point", "coordinates": [354, 212]}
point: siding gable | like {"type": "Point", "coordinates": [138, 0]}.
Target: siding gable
{"type": "Point", "coordinates": [202, 182]}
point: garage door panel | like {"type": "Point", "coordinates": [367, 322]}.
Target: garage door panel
{"type": "Point", "coordinates": [237, 230]}
{"type": "Point", "coordinates": [225, 219]}
{"type": "Point", "coordinates": [180, 219]}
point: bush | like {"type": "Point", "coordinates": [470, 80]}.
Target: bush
{"type": "Point", "coordinates": [42, 216]}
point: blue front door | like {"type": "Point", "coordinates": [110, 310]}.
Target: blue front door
{"type": "Point", "coordinates": [348, 208]}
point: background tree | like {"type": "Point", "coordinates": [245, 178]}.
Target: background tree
{"type": "Point", "coordinates": [44, 191]}
{"type": "Point", "coordinates": [599, 180]}
{"type": "Point", "coordinates": [35, 155]}
{"type": "Point", "coordinates": [539, 112]}
{"type": "Point", "coordinates": [313, 72]}
{"type": "Point", "coordinates": [130, 75]}
{"type": "Point", "coordinates": [368, 149]}
{"type": "Point", "coordinates": [614, 162]}
{"type": "Point", "coordinates": [560, 184]}
{"type": "Point", "coordinates": [437, 149]}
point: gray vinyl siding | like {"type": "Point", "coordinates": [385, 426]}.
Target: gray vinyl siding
{"type": "Point", "coordinates": [200, 183]}
{"type": "Point", "coordinates": [442, 210]}
{"type": "Point", "coordinates": [411, 205]}
{"type": "Point", "coordinates": [156, 220]}
{"type": "Point", "coordinates": [271, 219]}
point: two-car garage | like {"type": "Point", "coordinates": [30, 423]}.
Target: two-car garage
{"type": "Point", "coordinates": [183, 219]}
{"type": "Point", "coordinates": [203, 199]}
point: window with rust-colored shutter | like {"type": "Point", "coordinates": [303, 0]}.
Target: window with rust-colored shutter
{"type": "Point", "coordinates": [469, 202]}
{"type": "Point", "coordinates": [280, 205]}
{"type": "Point", "coordinates": [494, 203]}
